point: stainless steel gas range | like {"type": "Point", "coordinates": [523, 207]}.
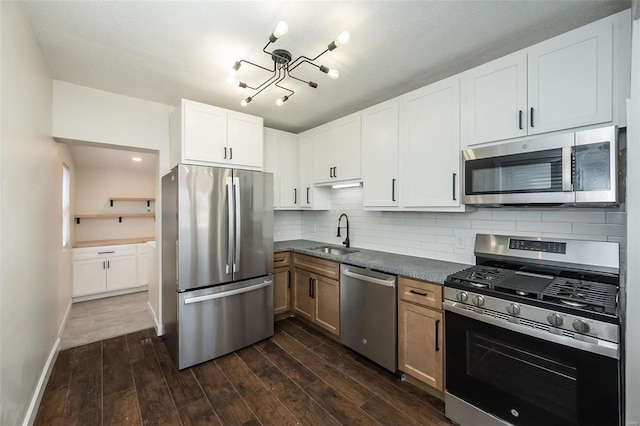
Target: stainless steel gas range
{"type": "Point", "coordinates": [533, 334]}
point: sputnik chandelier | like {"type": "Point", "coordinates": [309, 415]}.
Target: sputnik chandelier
{"type": "Point", "coordinates": [283, 66]}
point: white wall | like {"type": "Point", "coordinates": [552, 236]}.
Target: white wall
{"type": "Point", "coordinates": [633, 231]}
{"type": "Point", "coordinates": [95, 186]}
{"type": "Point", "coordinates": [64, 255]}
{"type": "Point", "coordinates": [450, 236]}
{"type": "Point", "coordinates": [31, 240]}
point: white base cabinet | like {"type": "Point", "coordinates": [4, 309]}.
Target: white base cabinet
{"type": "Point", "coordinates": [98, 271]}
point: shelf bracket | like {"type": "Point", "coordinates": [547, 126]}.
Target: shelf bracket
{"type": "Point", "coordinates": [148, 203]}
{"type": "Point", "coordinates": [77, 221]}
{"type": "Point", "coordinates": [110, 203]}
{"type": "Point", "coordinates": [119, 219]}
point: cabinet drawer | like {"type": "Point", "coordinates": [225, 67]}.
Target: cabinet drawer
{"type": "Point", "coordinates": [281, 259]}
{"type": "Point", "coordinates": [104, 251]}
{"type": "Point", "coordinates": [319, 266]}
{"type": "Point", "coordinates": [420, 292]}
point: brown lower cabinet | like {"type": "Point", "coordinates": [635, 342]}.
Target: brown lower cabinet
{"type": "Point", "coordinates": [420, 331]}
{"type": "Point", "coordinates": [281, 282]}
{"type": "Point", "coordinates": [316, 291]}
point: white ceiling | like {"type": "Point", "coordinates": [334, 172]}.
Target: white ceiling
{"type": "Point", "coordinates": [164, 51]}
{"type": "Point", "coordinates": [86, 156]}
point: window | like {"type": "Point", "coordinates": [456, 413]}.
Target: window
{"type": "Point", "coordinates": [66, 219]}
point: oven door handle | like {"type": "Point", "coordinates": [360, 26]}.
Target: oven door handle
{"type": "Point", "coordinates": [601, 347]}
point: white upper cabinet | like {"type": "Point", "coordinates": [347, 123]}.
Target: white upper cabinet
{"type": "Point", "coordinates": [208, 135]}
{"type": "Point", "coordinates": [338, 149]}
{"type": "Point", "coordinates": [497, 99]}
{"type": "Point", "coordinates": [430, 146]}
{"type": "Point", "coordinates": [380, 136]}
{"type": "Point", "coordinates": [570, 79]}
{"type": "Point", "coordinates": [311, 197]}
{"type": "Point", "coordinates": [281, 159]}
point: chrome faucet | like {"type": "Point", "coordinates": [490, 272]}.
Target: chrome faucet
{"type": "Point", "coordinates": [346, 241]}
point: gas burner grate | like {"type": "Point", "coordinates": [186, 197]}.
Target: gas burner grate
{"type": "Point", "coordinates": [480, 276]}
{"type": "Point", "coordinates": [588, 295]}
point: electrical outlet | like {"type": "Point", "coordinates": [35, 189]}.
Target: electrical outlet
{"type": "Point", "coordinates": [633, 424]}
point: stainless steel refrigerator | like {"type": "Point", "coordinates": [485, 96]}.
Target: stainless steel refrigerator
{"type": "Point", "coordinates": [217, 261]}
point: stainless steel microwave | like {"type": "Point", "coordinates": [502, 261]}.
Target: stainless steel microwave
{"type": "Point", "coordinates": [578, 168]}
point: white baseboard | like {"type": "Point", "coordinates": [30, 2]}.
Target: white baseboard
{"type": "Point", "coordinates": [30, 417]}
{"type": "Point", "coordinates": [159, 330]}
{"type": "Point", "coordinates": [109, 294]}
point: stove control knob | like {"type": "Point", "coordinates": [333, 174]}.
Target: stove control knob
{"type": "Point", "coordinates": [513, 309]}
{"type": "Point", "coordinates": [462, 296]}
{"type": "Point", "coordinates": [554, 319]}
{"type": "Point", "coordinates": [581, 326]}
{"type": "Point", "coordinates": [478, 300]}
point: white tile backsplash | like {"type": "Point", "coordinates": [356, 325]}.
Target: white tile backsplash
{"type": "Point", "coordinates": [444, 236]}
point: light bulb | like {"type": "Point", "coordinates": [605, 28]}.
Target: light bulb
{"type": "Point", "coordinates": [333, 73]}
{"type": "Point", "coordinates": [281, 29]}
{"type": "Point", "coordinates": [235, 68]}
{"type": "Point", "coordinates": [343, 38]}
{"type": "Point", "coordinates": [282, 100]}
{"type": "Point", "coordinates": [245, 102]}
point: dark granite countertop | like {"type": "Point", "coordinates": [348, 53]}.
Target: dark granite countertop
{"type": "Point", "coordinates": [397, 264]}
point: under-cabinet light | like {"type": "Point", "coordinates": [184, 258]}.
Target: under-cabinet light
{"type": "Point", "coordinates": [136, 158]}
{"type": "Point", "coordinates": [347, 185]}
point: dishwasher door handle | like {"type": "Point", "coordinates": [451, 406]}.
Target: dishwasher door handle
{"type": "Point", "coordinates": [197, 299]}
{"type": "Point", "coordinates": [372, 280]}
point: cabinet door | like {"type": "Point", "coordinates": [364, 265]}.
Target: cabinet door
{"type": "Point", "coordinates": [497, 100]}
{"type": "Point", "coordinates": [349, 148]}
{"type": "Point", "coordinates": [205, 133]}
{"type": "Point", "coordinates": [420, 344]}
{"type": "Point", "coordinates": [121, 272]}
{"type": "Point", "coordinates": [245, 137]}
{"type": "Point", "coordinates": [430, 145]}
{"type": "Point", "coordinates": [380, 155]}
{"type": "Point", "coordinates": [280, 290]}
{"type": "Point", "coordinates": [288, 170]}
{"type": "Point", "coordinates": [326, 143]}
{"type": "Point", "coordinates": [143, 269]}
{"type": "Point", "coordinates": [303, 304]}
{"type": "Point", "coordinates": [327, 303]}
{"type": "Point", "coordinates": [270, 161]}
{"type": "Point", "coordinates": [311, 197]}
{"type": "Point", "coordinates": [571, 79]}
{"type": "Point", "coordinates": [89, 276]}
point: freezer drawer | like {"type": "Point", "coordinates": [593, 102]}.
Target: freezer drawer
{"type": "Point", "coordinates": [216, 321]}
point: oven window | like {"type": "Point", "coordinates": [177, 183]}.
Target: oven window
{"type": "Point", "coordinates": [532, 172]}
{"type": "Point", "coordinates": [543, 382]}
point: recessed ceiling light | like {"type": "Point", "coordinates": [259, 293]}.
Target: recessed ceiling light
{"type": "Point", "coordinates": [136, 158]}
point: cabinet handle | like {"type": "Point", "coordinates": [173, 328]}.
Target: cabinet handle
{"type": "Point", "coordinates": [288, 279]}
{"type": "Point", "coordinates": [308, 188]}
{"type": "Point", "coordinates": [295, 195]}
{"type": "Point", "coordinates": [393, 189]}
{"type": "Point", "coordinates": [230, 153]}
{"type": "Point", "coordinates": [106, 252]}
{"type": "Point", "coordinates": [418, 293]}
{"type": "Point", "coordinates": [104, 265]}
{"type": "Point", "coordinates": [331, 172]}
{"type": "Point", "coordinates": [225, 152]}
{"type": "Point", "coordinates": [108, 264]}
{"type": "Point", "coordinates": [454, 186]}
{"type": "Point", "coordinates": [437, 335]}
{"type": "Point", "coordinates": [520, 119]}
{"type": "Point", "coordinates": [531, 119]}
{"type": "Point", "coordinates": [335, 172]}
{"type": "Point", "coordinates": [313, 288]}
{"type": "Point", "coordinates": [310, 286]}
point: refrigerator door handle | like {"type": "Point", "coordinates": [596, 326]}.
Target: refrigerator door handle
{"type": "Point", "coordinates": [238, 222]}
{"type": "Point", "coordinates": [197, 299]}
{"type": "Point", "coordinates": [229, 182]}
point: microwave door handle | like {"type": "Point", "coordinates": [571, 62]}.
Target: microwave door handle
{"type": "Point", "coordinates": [567, 169]}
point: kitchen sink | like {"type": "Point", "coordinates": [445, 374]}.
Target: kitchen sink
{"type": "Point", "coordinates": [334, 250]}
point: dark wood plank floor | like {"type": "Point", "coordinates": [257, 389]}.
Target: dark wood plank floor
{"type": "Point", "coordinates": [299, 376]}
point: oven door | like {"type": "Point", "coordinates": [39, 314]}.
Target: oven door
{"type": "Point", "coordinates": [524, 380]}
{"type": "Point", "coordinates": [533, 171]}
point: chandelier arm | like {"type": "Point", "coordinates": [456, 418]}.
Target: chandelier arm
{"type": "Point", "coordinates": [299, 79]}
{"type": "Point", "coordinates": [277, 83]}
{"type": "Point", "coordinates": [265, 85]}
{"type": "Point", "coordinates": [307, 60]}
{"type": "Point", "coordinates": [255, 65]}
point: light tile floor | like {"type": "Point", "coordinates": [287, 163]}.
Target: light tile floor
{"type": "Point", "coordinates": [102, 319]}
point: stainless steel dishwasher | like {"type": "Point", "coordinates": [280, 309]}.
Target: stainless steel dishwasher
{"type": "Point", "coordinates": [368, 310]}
